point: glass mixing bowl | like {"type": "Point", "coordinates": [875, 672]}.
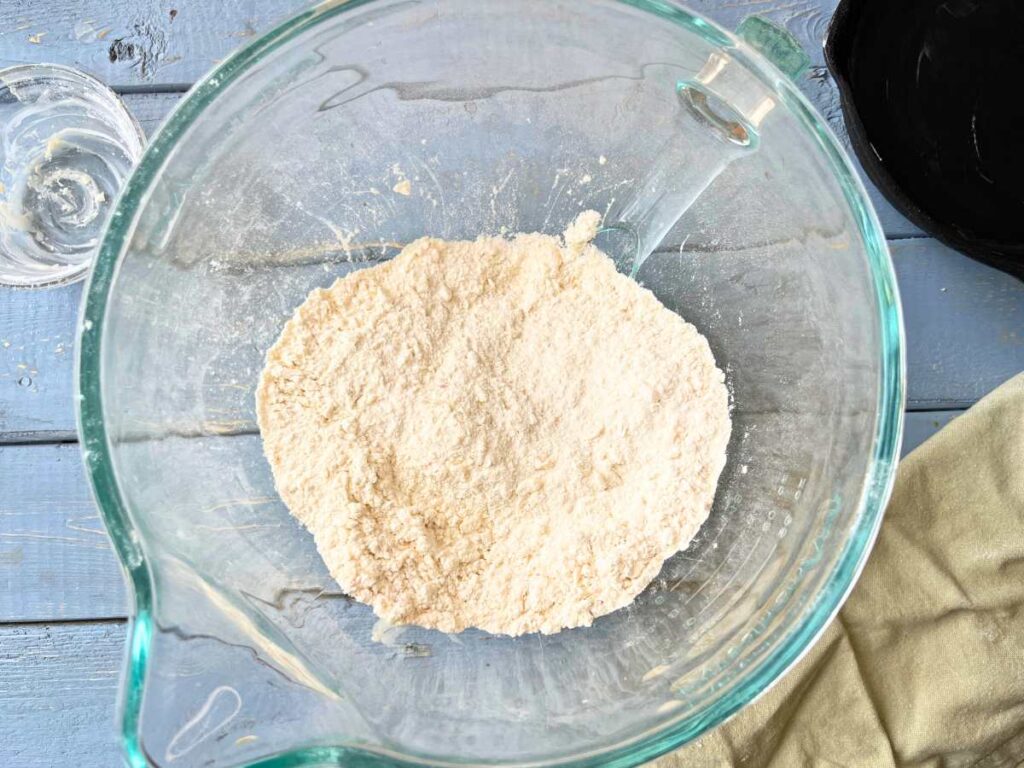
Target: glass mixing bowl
{"type": "Point", "coordinates": [320, 149]}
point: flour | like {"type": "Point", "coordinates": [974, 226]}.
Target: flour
{"type": "Point", "coordinates": [503, 434]}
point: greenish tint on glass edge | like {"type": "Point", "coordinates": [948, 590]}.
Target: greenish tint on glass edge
{"type": "Point", "coordinates": [775, 44]}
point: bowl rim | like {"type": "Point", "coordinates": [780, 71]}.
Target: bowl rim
{"type": "Point", "coordinates": [673, 732]}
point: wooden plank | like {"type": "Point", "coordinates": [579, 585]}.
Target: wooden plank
{"type": "Point", "coordinates": [965, 336]}
{"type": "Point", "coordinates": [37, 340]}
{"type": "Point", "coordinates": [921, 425]}
{"type": "Point", "coordinates": [171, 43]}
{"type": "Point", "coordinates": [140, 44]}
{"type": "Point", "coordinates": [152, 43]}
{"type": "Point", "coordinates": [964, 324]}
{"type": "Point", "coordinates": [58, 688]}
{"type": "Point", "coordinates": [58, 683]}
{"type": "Point", "coordinates": [56, 561]}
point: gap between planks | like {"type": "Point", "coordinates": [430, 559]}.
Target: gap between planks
{"type": "Point", "coordinates": [12, 624]}
{"type": "Point", "coordinates": [42, 437]}
{"type": "Point", "coordinates": [56, 437]}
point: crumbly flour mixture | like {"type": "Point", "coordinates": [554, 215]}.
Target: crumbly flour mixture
{"type": "Point", "coordinates": [504, 434]}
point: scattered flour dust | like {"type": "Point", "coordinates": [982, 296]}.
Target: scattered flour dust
{"type": "Point", "coordinates": [505, 434]}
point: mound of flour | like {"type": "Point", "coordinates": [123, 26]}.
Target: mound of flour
{"type": "Point", "coordinates": [503, 434]}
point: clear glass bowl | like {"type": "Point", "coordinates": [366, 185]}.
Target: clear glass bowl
{"type": "Point", "coordinates": [286, 168]}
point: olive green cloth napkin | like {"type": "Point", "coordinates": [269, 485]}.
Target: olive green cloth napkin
{"type": "Point", "coordinates": [924, 666]}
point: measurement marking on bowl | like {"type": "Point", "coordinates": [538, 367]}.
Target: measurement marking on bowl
{"type": "Point", "coordinates": [732, 578]}
{"type": "Point", "coordinates": [791, 487]}
{"type": "Point", "coordinates": [739, 595]}
{"type": "Point", "coordinates": [712, 574]}
{"type": "Point", "coordinates": [696, 561]}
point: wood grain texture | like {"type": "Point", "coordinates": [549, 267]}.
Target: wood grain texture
{"type": "Point", "coordinates": [154, 44]}
{"type": "Point", "coordinates": [141, 44]}
{"type": "Point", "coordinates": [964, 321]}
{"type": "Point", "coordinates": [56, 561]}
{"type": "Point", "coordinates": [920, 425]}
{"type": "Point", "coordinates": [37, 341]}
{"type": "Point", "coordinates": [135, 43]}
{"type": "Point", "coordinates": [58, 688]}
{"type": "Point", "coordinates": [964, 324]}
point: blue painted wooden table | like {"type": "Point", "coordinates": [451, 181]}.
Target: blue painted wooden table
{"type": "Point", "coordinates": [62, 600]}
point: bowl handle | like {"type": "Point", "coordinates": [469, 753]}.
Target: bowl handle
{"type": "Point", "coordinates": [720, 113]}
{"type": "Point", "coordinates": [776, 44]}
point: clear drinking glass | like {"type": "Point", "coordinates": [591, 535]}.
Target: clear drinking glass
{"type": "Point", "coordinates": [67, 144]}
{"type": "Point", "coordinates": [288, 167]}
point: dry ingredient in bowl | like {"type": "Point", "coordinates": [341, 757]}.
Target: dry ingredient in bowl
{"type": "Point", "coordinates": [505, 433]}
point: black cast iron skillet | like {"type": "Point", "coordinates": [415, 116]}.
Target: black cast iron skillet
{"type": "Point", "coordinates": [933, 99]}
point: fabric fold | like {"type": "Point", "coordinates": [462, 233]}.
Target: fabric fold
{"type": "Point", "coordinates": [924, 666]}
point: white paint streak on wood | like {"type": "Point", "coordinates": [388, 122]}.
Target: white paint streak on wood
{"type": "Point", "coordinates": [58, 694]}
{"type": "Point", "coordinates": [56, 561]}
